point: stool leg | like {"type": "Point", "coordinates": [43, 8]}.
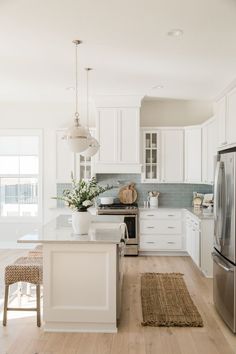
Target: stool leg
{"type": "Point", "coordinates": [38, 305]}
{"type": "Point", "coordinates": [5, 305]}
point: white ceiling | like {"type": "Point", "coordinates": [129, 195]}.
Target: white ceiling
{"type": "Point", "coordinates": [124, 41]}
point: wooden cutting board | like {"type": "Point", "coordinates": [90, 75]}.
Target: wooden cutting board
{"type": "Point", "coordinates": [128, 194]}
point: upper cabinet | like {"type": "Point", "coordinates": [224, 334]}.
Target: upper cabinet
{"type": "Point", "coordinates": [221, 121]}
{"type": "Point", "coordinates": [118, 132]}
{"type": "Point", "coordinates": [209, 150]}
{"type": "Point", "coordinates": [163, 155]}
{"type": "Point", "coordinates": [172, 155]}
{"type": "Point", "coordinates": [231, 117]}
{"type": "Point", "coordinates": [193, 154]}
{"type": "Point", "coordinates": [226, 119]}
{"type": "Point", "coordinates": [151, 156]}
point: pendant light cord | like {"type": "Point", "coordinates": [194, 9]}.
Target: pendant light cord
{"type": "Point", "coordinates": [76, 42]}
{"type": "Point", "coordinates": [87, 108]}
{"type": "Point", "coordinates": [76, 86]}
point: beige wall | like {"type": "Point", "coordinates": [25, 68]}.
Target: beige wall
{"type": "Point", "coordinates": [166, 112]}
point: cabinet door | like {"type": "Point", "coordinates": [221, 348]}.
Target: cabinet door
{"type": "Point", "coordinates": [205, 154]}
{"type": "Point", "coordinates": [193, 155]}
{"type": "Point", "coordinates": [211, 150]}
{"type": "Point", "coordinates": [172, 145]}
{"type": "Point", "coordinates": [107, 134]}
{"type": "Point", "coordinates": [188, 238]}
{"type": "Point", "coordinates": [196, 251]}
{"type": "Point", "coordinates": [128, 144]}
{"type": "Point", "coordinates": [221, 121]}
{"type": "Point", "coordinates": [231, 117]}
{"type": "Point", "coordinates": [65, 159]}
{"type": "Point", "coordinates": [151, 151]}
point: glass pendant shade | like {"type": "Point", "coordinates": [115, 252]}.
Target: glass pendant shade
{"type": "Point", "coordinates": [77, 138]}
{"type": "Point", "coordinates": [93, 147]}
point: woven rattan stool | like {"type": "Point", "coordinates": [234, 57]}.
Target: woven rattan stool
{"type": "Point", "coordinates": [36, 252]}
{"type": "Point", "coordinates": [25, 269]}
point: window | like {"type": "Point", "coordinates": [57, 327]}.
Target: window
{"type": "Point", "coordinates": [20, 174]}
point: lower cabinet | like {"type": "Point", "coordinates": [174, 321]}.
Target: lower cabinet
{"type": "Point", "coordinates": [176, 231]}
{"type": "Point", "coordinates": [199, 242]}
{"type": "Point", "coordinates": [161, 230]}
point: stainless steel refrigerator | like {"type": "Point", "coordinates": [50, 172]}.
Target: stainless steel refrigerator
{"type": "Point", "coordinates": [224, 254]}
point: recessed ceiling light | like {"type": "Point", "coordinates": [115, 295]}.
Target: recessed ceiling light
{"type": "Point", "coordinates": [158, 87]}
{"type": "Point", "coordinates": [176, 32]}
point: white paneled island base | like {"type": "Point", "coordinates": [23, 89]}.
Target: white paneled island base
{"type": "Point", "coordinates": [81, 280]}
{"type": "Point", "coordinates": [80, 287]}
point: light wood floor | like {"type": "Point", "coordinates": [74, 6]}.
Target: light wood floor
{"type": "Point", "coordinates": [21, 336]}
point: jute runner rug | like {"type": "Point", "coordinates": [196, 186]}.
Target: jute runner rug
{"type": "Point", "coordinates": [166, 301]}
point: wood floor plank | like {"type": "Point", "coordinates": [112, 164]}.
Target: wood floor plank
{"type": "Point", "coordinates": [21, 336]}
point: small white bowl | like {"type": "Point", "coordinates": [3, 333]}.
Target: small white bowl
{"type": "Point", "coordinates": [107, 200]}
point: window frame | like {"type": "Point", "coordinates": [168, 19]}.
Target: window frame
{"type": "Point", "coordinates": [39, 217]}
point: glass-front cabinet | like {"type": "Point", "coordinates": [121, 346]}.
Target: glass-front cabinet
{"type": "Point", "coordinates": [83, 167]}
{"type": "Point", "coordinates": [151, 152]}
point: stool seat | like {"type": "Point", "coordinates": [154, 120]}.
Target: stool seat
{"type": "Point", "coordinates": [24, 269]}
{"type": "Point", "coordinates": [36, 252]}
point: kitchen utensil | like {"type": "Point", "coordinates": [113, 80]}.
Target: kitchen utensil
{"type": "Point", "coordinates": [128, 194]}
{"type": "Point", "coordinates": [107, 200]}
{"type": "Point", "coordinates": [153, 201]}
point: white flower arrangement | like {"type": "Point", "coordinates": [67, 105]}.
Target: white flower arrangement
{"type": "Point", "coordinates": [80, 197]}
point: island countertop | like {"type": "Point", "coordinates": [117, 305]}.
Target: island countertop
{"type": "Point", "coordinates": [103, 229]}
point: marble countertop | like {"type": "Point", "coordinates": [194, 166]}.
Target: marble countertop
{"type": "Point", "coordinates": [201, 213]}
{"type": "Point", "coordinates": [103, 229]}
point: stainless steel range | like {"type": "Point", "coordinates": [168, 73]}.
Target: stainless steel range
{"type": "Point", "coordinates": [130, 213]}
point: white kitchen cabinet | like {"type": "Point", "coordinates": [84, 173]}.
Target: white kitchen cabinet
{"type": "Point", "coordinates": [65, 159]}
{"type": "Point", "coordinates": [193, 230]}
{"type": "Point", "coordinates": [199, 242]}
{"type": "Point", "coordinates": [205, 154]}
{"type": "Point", "coordinates": [172, 155]}
{"type": "Point", "coordinates": [231, 117]}
{"type": "Point", "coordinates": [207, 241]}
{"type": "Point", "coordinates": [209, 150]}
{"type": "Point", "coordinates": [68, 162]}
{"type": "Point", "coordinates": [193, 155]}
{"type": "Point", "coordinates": [161, 231]}
{"type": "Point", "coordinates": [118, 135]}
{"type": "Point", "coordinates": [221, 121]}
{"type": "Point", "coordinates": [107, 130]}
{"type": "Point", "coordinates": [151, 156]}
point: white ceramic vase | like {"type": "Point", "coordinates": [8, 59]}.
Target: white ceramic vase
{"type": "Point", "coordinates": [81, 222]}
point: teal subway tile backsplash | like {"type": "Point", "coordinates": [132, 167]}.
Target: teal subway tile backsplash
{"type": "Point", "coordinates": [171, 194]}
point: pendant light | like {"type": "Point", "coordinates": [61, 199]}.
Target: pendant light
{"type": "Point", "coordinates": [77, 135]}
{"type": "Point", "coordinates": [93, 143]}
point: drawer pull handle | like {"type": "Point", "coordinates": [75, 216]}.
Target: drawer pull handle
{"type": "Point", "coordinates": [150, 242]}
{"type": "Point", "coordinates": [150, 227]}
{"type": "Point", "coordinates": [171, 243]}
{"type": "Point", "coordinates": [171, 227]}
{"type": "Point", "coordinates": [150, 215]}
{"type": "Point", "coordinates": [171, 215]}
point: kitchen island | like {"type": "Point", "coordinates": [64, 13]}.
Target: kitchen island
{"type": "Point", "coordinates": [82, 275]}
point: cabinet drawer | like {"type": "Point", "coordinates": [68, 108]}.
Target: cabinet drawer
{"type": "Point", "coordinates": [156, 214]}
{"type": "Point", "coordinates": [160, 243]}
{"type": "Point", "coordinates": [160, 227]}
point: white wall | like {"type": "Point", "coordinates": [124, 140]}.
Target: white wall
{"type": "Point", "coordinates": [48, 117]}
{"type": "Point", "coordinates": [166, 112]}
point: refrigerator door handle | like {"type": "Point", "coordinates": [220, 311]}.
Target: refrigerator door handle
{"type": "Point", "coordinates": [219, 208]}
{"type": "Point", "coordinates": [217, 260]}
